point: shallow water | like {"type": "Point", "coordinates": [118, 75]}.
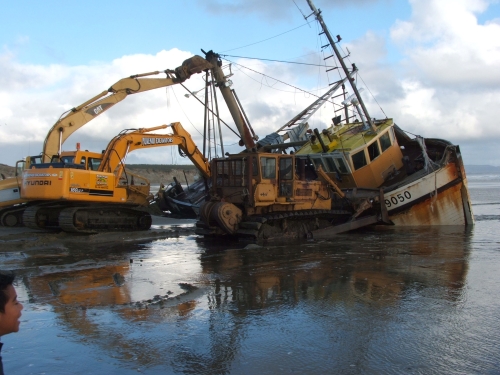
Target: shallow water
{"type": "Point", "coordinates": [385, 300]}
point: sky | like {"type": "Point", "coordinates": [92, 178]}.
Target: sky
{"type": "Point", "coordinates": [431, 65]}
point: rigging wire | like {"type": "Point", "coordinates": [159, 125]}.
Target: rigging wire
{"type": "Point", "coordinates": [303, 15]}
{"type": "Point", "coordinates": [321, 66]}
{"type": "Point", "coordinates": [185, 114]}
{"type": "Point", "coordinates": [373, 96]}
{"type": "Point", "coordinates": [272, 60]}
{"type": "Point", "coordinates": [277, 80]}
{"type": "Point", "coordinates": [321, 36]}
{"type": "Point", "coordinates": [364, 83]}
{"type": "Point", "coordinates": [265, 40]}
{"type": "Point", "coordinates": [298, 63]}
{"type": "Point", "coordinates": [180, 106]}
{"type": "Point", "coordinates": [264, 76]}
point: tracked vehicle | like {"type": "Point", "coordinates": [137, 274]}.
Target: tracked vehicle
{"type": "Point", "coordinates": [87, 192]}
{"type": "Point", "coordinates": [262, 195]}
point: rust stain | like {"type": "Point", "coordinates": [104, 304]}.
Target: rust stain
{"type": "Point", "coordinates": [443, 209]}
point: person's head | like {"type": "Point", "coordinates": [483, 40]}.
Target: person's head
{"type": "Point", "coordinates": [10, 308]}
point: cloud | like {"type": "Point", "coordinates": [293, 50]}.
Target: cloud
{"type": "Point", "coordinates": [38, 95]}
{"type": "Point", "coordinates": [444, 85]}
{"type": "Point", "coordinates": [447, 46]}
{"type": "Point", "coordinates": [272, 10]}
{"type": "Point", "coordinates": [452, 80]}
{"type": "Point", "coordinates": [33, 97]}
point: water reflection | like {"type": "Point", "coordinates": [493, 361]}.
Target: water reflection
{"type": "Point", "coordinates": [197, 308]}
{"type": "Point", "coordinates": [376, 267]}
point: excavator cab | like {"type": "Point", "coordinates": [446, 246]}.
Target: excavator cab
{"type": "Point", "coordinates": [85, 160]}
{"type": "Point", "coordinates": [21, 165]}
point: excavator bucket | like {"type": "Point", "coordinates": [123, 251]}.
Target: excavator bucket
{"type": "Point", "coordinates": [193, 65]}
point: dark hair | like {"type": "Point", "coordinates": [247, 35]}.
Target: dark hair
{"type": "Point", "coordinates": [6, 279]}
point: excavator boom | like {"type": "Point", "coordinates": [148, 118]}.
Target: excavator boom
{"type": "Point", "coordinates": [122, 144]}
{"type": "Point", "coordinates": [74, 119]}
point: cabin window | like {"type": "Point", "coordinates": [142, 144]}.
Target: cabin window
{"type": "Point", "coordinates": [94, 164]}
{"type": "Point", "coordinates": [341, 165]}
{"type": "Point", "coordinates": [385, 141]}
{"type": "Point", "coordinates": [331, 164]}
{"type": "Point", "coordinates": [230, 172]}
{"type": "Point", "coordinates": [83, 160]}
{"type": "Point", "coordinates": [255, 168]}
{"type": "Point", "coordinates": [268, 166]}
{"type": "Point", "coordinates": [67, 159]}
{"type": "Point", "coordinates": [223, 173]}
{"type": "Point", "coordinates": [236, 178]}
{"type": "Point", "coordinates": [286, 169]}
{"type": "Point", "coordinates": [286, 177]}
{"type": "Point", "coordinates": [35, 159]}
{"type": "Point", "coordinates": [237, 167]}
{"type": "Point", "coordinates": [319, 163]}
{"type": "Point", "coordinates": [20, 165]}
{"type": "Point", "coordinates": [359, 159]}
{"type": "Point", "coordinates": [373, 150]}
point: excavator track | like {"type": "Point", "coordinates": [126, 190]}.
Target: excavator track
{"type": "Point", "coordinates": [103, 219]}
{"type": "Point", "coordinates": [278, 225]}
{"type": "Point", "coordinates": [42, 217]}
{"type": "Point", "coordinates": [12, 216]}
{"type": "Point", "coordinates": [86, 219]}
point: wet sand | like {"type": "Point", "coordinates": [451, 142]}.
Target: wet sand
{"type": "Point", "coordinates": [384, 301]}
{"type": "Point", "coordinates": [22, 238]}
{"type": "Point", "coordinates": [165, 301]}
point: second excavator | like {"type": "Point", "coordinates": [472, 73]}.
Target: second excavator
{"type": "Point", "coordinates": [88, 192]}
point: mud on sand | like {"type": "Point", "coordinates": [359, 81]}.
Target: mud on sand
{"type": "Point", "coordinates": [21, 238]}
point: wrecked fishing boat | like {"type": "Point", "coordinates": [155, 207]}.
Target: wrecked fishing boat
{"type": "Point", "coordinates": [178, 202]}
{"type": "Point", "coordinates": [420, 181]}
{"type": "Point", "coordinates": [345, 177]}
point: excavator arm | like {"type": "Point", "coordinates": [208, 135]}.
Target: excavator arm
{"type": "Point", "coordinates": [79, 116]}
{"type": "Point", "coordinates": [126, 142]}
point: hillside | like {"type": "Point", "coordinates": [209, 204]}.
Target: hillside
{"type": "Point", "coordinates": [155, 173]}
{"type": "Point", "coordinates": [165, 174]}
{"type": "Point", "coordinates": [7, 171]}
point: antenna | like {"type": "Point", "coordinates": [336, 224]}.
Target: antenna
{"type": "Point", "coordinates": [303, 15]}
{"type": "Point", "coordinates": [348, 53]}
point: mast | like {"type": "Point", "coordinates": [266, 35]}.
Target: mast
{"type": "Point", "coordinates": [227, 94]}
{"type": "Point", "coordinates": [317, 14]}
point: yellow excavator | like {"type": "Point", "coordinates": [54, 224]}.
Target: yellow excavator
{"type": "Point", "coordinates": [87, 192]}
{"type": "Point", "coordinates": [10, 200]}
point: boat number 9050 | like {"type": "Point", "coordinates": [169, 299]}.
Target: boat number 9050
{"type": "Point", "coordinates": [400, 198]}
